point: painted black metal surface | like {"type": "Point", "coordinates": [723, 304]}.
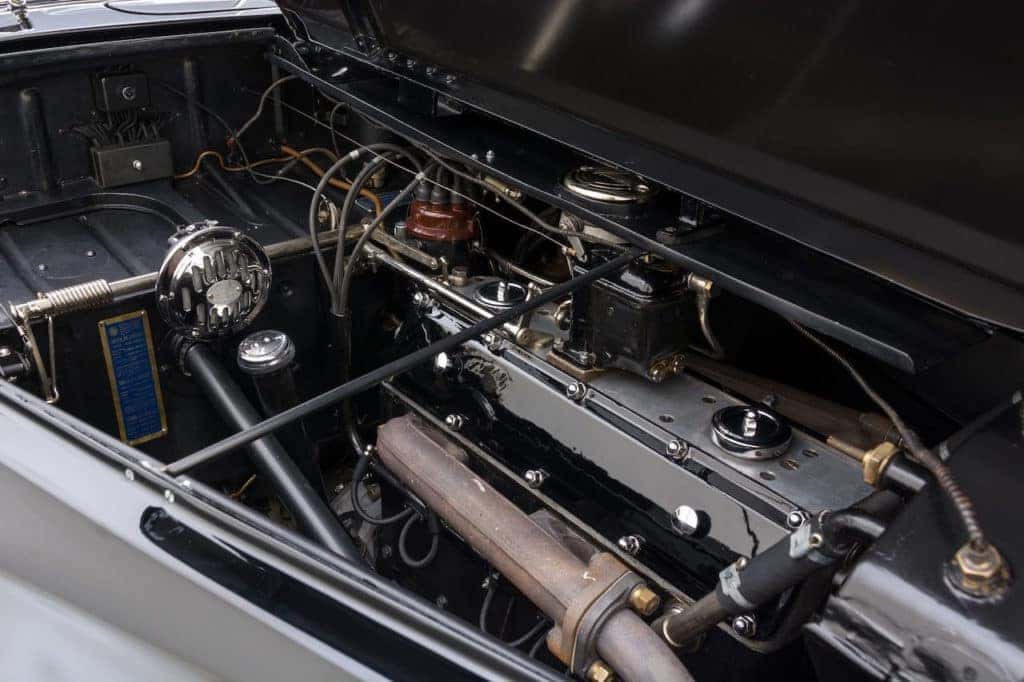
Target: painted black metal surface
{"type": "Point", "coordinates": [296, 603]}
{"type": "Point", "coordinates": [896, 616]}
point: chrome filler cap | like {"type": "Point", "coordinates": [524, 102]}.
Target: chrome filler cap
{"type": "Point", "coordinates": [750, 432]}
{"type": "Point", "coordinates": [265, 352]}
{"type": "Point", "coordinates": [607, 185]}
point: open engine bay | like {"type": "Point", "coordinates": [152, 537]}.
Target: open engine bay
{"type": "Point", "coordinates": [622, 431]}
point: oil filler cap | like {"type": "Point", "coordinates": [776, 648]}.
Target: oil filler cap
{"type": "Point", "coordinates": [750, 432]}
{"type": "Point", "coordinates": [265, 352]}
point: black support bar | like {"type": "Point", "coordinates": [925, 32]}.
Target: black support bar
{"type": "Point", "coordinates": [315, 518]}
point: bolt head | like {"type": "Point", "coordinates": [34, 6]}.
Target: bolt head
{"type": "Point", "coordinates": [576, 390]}
{"type": "Point", "coordinates": [744, 626]}
{"type": "Point", "coordinates": [137, 165]}
{"type": "Point", "coordinates": [688, 521]}
{"type": "Point", "coordinates": [796, 518]}
{"type": "Point", "coordinates": [644, 601]}
{"type": "Point", "coordinates": [489, 156]}
{"type": "Point", "coordinates": [631, 544]}
{"type": "Point", "coordinates": [534, 478]}
{"type": "Point", "coordinates": [600, 672]}
{"type": "Point", "coordinates": [676, 450]}
{"type": "Point", "coordinates": [454, 421]}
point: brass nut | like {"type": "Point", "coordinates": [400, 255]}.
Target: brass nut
{"type": "Point", "coordinates": [644, 601]}
{"type": "Point", "coordinates": [600, 672]}
{"type": "Point", "coordinates": [980, 572]}
{"type": "Point", "coordinates": [876, 460]}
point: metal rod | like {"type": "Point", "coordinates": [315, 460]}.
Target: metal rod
{"type": "Point", "coordinates": [41, 307]}
{"type": "Point", "coordinates": [398, 366]}
{"type": "Point", "coordinates": [314, 517]}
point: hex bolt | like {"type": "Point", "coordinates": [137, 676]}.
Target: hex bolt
{"type": "Point", "coordinates": [576, 391]}
{"type": "Point", "coordinates": [631, 544]}
{"type": "Point", "coordinates": [644, 601]}
{"type": "Point", "coordinates": [455, 422]}
{"type": "Point", "coordinates": [489, 156]}
{"type": "Point", "coordinates": [535, 477]}
{"type": "Point", "coordinates": [744, 626]}
{"type": "Point", "coordinates": [41, 267]}
{"type": "Point", "coordinates": [137, 165]}
{"type": "Point", "coordinates": [796, 518]}
{"type": "Point", "coordinates": [600, 672]}
{"type": "Point", "coordinates": [421, 299]}
{"type": "Point", "coordinates": [169, 496]}
{"type": "Point", "coordinates": [676, 450]}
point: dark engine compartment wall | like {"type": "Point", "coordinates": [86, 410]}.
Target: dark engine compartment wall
{"type": "Point", "coordinates": [58, 228]}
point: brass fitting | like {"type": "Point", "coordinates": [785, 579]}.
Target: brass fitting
{"type": "Point", "coordinates": [980, 572]}
{"type": "Point", "coordinates": [876, 460]}
{"type": "Point", "coordinates": [600, 672]}
{"type": "Point", "coordinates": [644, 601]}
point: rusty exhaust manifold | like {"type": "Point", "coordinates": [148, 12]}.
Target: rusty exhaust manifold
{"type": "Point", "coordinates": [588, 594]}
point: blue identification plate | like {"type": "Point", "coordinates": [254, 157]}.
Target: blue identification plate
{"type": "Point", "coordinates": [134, 382]}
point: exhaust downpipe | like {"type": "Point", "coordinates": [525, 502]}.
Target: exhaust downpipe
{"type": "Point", "coordinates": [591, 599]}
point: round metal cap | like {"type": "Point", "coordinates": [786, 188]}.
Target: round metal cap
{"type": "Point", "coordinates": [750, 432]}
{"type": "Point", "coordinates": [501, 294]}
{"type": "Point", "coordinates": [608, 185]}
{"type": "Point", "coordinates": [265, 352]}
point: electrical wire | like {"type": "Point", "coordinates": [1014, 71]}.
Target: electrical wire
{"type": "Point", "coordinates": [223, 164]}
{"type": "Point", "coordinates": [518, 641]}
{"type": "Point", "coordinates": [334, 182]}
{"type": "Point", "coordinates": [535, 649]}
{"type": "Point", "coordinates": [912, 442]}
{"type": "Point", "coordinates": [346, 272]}
{"type": "Point", "coordinates": [537, 220]}
{"type": "Point", "coordinates": [362, 466]}
{"type": "Point", "coordinates": [478, 204]}
{"type": "Point", "coordinates": [403, 551]}
{"type": "Point", "coordinates": [263, 101]}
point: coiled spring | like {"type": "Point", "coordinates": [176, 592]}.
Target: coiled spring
{"type": "Point", "coordinates": [79, 297]}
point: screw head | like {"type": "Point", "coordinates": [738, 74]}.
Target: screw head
{"type": "Point", "coordinates": [676, 450]}
{"type": "Point", "coordinates": [169, 496]}
{"type": "Point", "coordinates": [90, 253]}
{"type": "Point", "coordinates": [744, 626]}
{"type": "Point", "coordinates": [489, 156]}
{"type": "Point", "coordinates": [129, 93]}
{"type": "Point", "coordinates": [688, 521]}
{"type": "Point", "coordinates": [576, 391]}
{"type": "Point", "coordinates": [41, 267]}
{"type": "Point", "coordinates": [631, 544]}
{"type": "Point", "coordinates": [421, 299]}
{"type": "Point", "coordinates": [535, 477]}
{"type": "Point", "coordinates": [796, 518]}
{"type": "Point", "coordinates": [137, 165]}
{"type": "Point", "coordinates": [129, 474]}
{"type": "Point", "coordinates": [455, 422]}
